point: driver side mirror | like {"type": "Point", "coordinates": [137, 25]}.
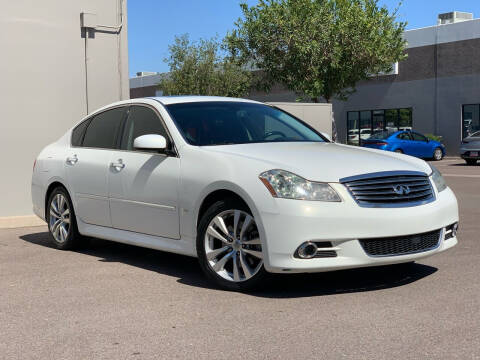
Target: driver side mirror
{"type": "Point", "coordinates": [150, 142]}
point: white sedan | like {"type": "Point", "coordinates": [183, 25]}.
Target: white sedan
{"type": "Point", "coordinates": [247, 188]}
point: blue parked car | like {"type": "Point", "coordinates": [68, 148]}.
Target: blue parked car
{"type": "Point", "coordinates": [406, 142]}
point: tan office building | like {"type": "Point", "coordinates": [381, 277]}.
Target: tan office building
{"type": "Point", "coordinates": [60, 59]}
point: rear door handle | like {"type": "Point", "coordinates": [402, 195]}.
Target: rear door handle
{"type": "Point", "coordinates": [119, 165]}
{"type": "Point", "coordinates": [72, 160]}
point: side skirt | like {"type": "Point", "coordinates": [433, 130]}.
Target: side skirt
{"type": "Point", "coordinates": [182, 246]}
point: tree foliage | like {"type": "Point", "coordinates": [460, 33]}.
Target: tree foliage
{"type": "Point", "coordinates": [201, 68]}
{"type": "Point", "coordinates": [318, 48]}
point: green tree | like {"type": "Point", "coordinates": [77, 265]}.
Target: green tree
{"type": "Point", "coordinates": [202, 68]}
{"type": "Point", "coordinates": [318, 48]}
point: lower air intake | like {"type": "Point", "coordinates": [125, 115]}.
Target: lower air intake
{"type": "Point", "coordinates": [401, 245]}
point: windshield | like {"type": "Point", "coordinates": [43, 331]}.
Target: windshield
{"type": "Point", "coordinates": [224, 122]}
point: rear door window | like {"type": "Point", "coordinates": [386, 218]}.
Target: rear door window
{"type": "Point", "coordinates": [79, 132]}
{"type": "Point", "coordinates": [104, 129]}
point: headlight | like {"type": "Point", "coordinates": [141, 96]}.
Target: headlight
{"type": "Point", "coordinates": [284, 184]}
{"type": "Point", "coordinates": [438, 179]}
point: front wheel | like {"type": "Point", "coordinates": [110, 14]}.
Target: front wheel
{"type": "Point", "coordinates": [471, 161]}
{"type": "Point", "coordinates": [437, 154]}
{"type": "Point", "coordinates": [228, 246]}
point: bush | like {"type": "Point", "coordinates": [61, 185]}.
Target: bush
{"type": "Point", "coordinates": [434, 137]}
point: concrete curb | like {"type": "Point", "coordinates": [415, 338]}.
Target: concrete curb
{"type": "Point", "coordinates": [10, 222]}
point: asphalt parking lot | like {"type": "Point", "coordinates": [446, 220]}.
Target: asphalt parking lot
{"type": "Point", "coordinates": [113, 301]}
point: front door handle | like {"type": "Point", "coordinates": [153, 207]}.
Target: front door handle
{"type": "Point", "coordinates": [72, 160]}
{"type": "Point", "coordinates": [118, 166]}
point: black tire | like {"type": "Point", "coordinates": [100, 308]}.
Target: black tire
{"type": "Point", "coordinates": [435, 154]}
{"type": "Point", "coordinates": [471, 161]}
{"type": "Point", "coordinates": [72, 239]}
{"type": "Point", "coordinates": [399, 151]}
{"type": "Point", "coordinates": [214, 210]}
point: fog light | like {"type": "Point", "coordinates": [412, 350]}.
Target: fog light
{"type": "Point", "coordinates": [307, 250]}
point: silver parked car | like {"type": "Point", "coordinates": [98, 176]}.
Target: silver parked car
{"type": "Point", "coordinates": [470, 148]}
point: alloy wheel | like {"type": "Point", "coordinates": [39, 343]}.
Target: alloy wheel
{"type": "Point", "coordinates": [59, 218]}
{"type": "Point", "coordinates": [232, 246]}
{"type": "Point", "coordinates": [438, 154]}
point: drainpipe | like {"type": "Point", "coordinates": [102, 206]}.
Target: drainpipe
{"type": "Point", "coordinates": [435, 95]}
{"type": "Point", "coordinates": [88, 24]}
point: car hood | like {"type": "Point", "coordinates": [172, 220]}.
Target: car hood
{"type": "Point", "coordinates": [327, 162]}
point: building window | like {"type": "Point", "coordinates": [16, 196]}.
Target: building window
{"type": "Point", "coordinates": [363, 124]}
{"type": "Point", "coordinates": [471, 120]}
{"type": "Point", "coordinates": [353, 125]}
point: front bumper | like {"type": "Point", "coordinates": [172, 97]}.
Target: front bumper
{"type": "Point", "coordinates": [343, 224]}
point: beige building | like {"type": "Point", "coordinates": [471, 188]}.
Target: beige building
{"type": "Point", "coordinates": [60, 59]}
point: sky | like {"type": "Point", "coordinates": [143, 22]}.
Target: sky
{"type": "Point", "coordinates": [153, 24]}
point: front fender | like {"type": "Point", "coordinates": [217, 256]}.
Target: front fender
{"type": "Point", "coordinates": [267, 203]}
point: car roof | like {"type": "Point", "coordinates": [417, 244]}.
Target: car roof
{"type": "Point", "coordinates": [168, 100]}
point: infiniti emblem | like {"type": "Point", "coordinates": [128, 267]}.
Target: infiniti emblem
{"type": "Point", "coordinates": [401, 189]}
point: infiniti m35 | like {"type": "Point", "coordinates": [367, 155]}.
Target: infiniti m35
{"type": "Point", "coordinates": [245, 187]}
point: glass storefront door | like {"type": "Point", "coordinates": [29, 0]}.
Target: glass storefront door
{"type": "Point", "coordinates": [352, 128]}
{"type": "Point", "coordinates": [471, 120]}
{"type": "Point", "coordinates": [378, 121]}
{"type": "Point", "coordinates": [405, 119]}
{"type": "Point", "coordinates": [365, 125]}
{"type": "Point", "coordinates": [361, 125]}
{"type": "Point", "coordinates": [391, 119]}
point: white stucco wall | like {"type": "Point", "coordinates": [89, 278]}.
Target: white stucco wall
{"type": "Point", "coordinates": [441, 34]}
{"type": "Point", "coordinates": [318, 116]}
{"type": "Point", "coordinates": [43, 89]}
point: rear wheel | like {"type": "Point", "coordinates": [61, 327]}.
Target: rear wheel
{"type": "Point", "coordinates": [437, 154]}
{"type": "Point", "coordinates": [471, 161]}
{"type": "Point", "coordinates": [399, 151]}
{"type": "Point", "coordinates": [61, 220]}
{"type": "Point", "coordinates": [228, 246]}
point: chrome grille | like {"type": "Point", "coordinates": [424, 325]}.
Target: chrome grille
{"type": "Point", "coordinates": [401, 245]}
{"type": "Point", "coordinates": [390, 189]}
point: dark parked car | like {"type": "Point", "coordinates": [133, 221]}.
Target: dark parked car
{"type": "Point", "coordinates": [470, 148]}
{"type": "Point", "coordinates": [406, 142]}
